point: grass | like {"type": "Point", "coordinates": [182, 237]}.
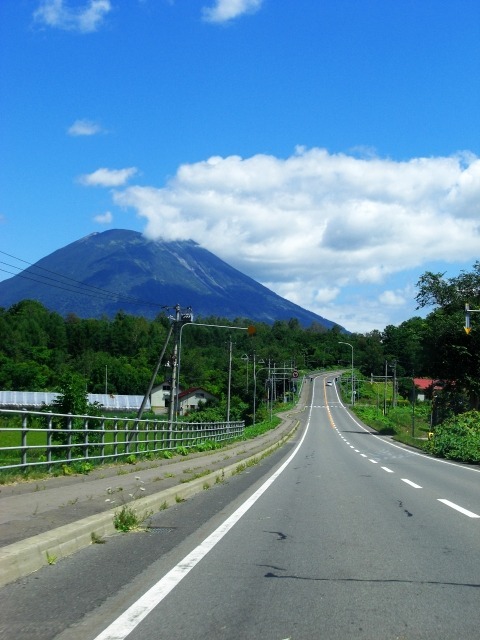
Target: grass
{"type": "Point", "coordinates": [200, 474]}
{"type": "Point", "coordinates": [37, 437]}
{"type": "Point", "coordinates": [126, 519]}
{"type": "Point", "coordinates": [405, 423]}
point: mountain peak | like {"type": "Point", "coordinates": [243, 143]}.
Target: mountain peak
{"type": "Point", "coordinates": [118, 269]}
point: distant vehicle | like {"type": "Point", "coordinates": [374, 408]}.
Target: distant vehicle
{"type": "Point", "coordinates": [329, 383]}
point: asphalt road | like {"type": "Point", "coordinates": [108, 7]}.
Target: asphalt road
{"type": "Point", "coordinates": [340, 534]}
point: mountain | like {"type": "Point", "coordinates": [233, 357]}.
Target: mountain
{"type": "Point", "coordinates": [122, 270]}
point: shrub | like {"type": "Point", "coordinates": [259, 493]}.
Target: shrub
{"type": "Point", "coordinates": [458, 438]}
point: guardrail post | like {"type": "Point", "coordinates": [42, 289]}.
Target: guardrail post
{"type": "Point", "coordinates": [115, 438]}
{"type": "Point", "coordinates": [49, 442]}
{"type": "Point", "coordinates": [85, 439]}
{"type": "Point", "coordinates": [24, 440]}
{"type": "Point", "coordinates": [102, 442]}
{"type": "Point", "coordinates": [69, 439]}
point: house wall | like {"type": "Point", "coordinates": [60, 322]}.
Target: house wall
{"type": "Point", "coordinates": [160, 398]}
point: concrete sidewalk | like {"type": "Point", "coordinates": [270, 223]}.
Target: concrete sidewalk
{"type": "Point", "coordinates": [49, 519]}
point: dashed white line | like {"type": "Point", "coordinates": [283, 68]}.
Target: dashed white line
{"type": "Point", "coordinates": [364, 455]}
{"type": "Point", "coordinates": [465, 512]}
{"type": "Point", "coordinates": [374, 461]}
{"type": "Point", "coordinates": [412, 484]}
{"type": "Point", "coordinates": [387, 469]}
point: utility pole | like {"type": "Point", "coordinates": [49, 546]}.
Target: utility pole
{"type": "Point", "coordinates": [180, 319]}
{"type": "Point", "coordinates": [229, 379]}
{"type": "Point", "coordinates": [394, 390]}
{"type": "Point", "coordinates": [154, 375]}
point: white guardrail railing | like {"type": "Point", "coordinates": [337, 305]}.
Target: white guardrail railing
{"type": "Point", "coordinates": [37, 438]}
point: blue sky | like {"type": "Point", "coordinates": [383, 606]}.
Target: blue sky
{"type": "Point", "coordinates": [327, 148]}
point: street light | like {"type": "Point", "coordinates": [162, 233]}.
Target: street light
{"type": "Point", "coordinates": [349, 345]}
{"type": "Point", "coordinates": [217, 326]}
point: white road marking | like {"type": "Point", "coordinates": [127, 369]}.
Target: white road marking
{"type": "Point", "coordinates": [120, 628]}
{"type": "Point", "coordinates": [474, 469]}
{"type": "Point", "coordinates": [412, 484]}
{"type": "Point", "coordinates": [364, 455]}
{"type": "Point", "coordinates": [465, 512]}
{"type": "Point", "coordinates": [374, 461]}
{"type": "Point", "coordinates": [387, 469]}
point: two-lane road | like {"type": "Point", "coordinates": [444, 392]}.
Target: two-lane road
{"type": "Point", "coordinates": [348, 536]}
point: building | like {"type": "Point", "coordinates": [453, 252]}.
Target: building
{"type": "Point", "coordinates": [160, 397]}
{"type": "Point", "coordinates": [188, 399]}
{"type": "Point", "coordinates": [38, 400]}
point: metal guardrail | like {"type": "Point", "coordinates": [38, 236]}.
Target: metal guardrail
{"type": "Point", "coordinates": [37, 438]}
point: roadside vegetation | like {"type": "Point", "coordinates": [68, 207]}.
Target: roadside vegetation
{"type": "Point", "coordinates": [42, 351]}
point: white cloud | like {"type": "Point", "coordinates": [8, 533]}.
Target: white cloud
{"type": "Point", "coordinates": [104, 218]}
{"type": "Point", "coordinates": [225, 10]}
{"type": "Point", "coordinates": [392, 298]}
{"type": "Point", "coordinates": [83, 19]}
{"type": "Point", "coordinates": [315, 224]}
{"type": "Point", "coordinates": [84, 128]}
{"type": "Point", "coordinates": [107, 177]}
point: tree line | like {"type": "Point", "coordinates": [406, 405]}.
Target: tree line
{"type": "Point", "coordinates": [39, 349]}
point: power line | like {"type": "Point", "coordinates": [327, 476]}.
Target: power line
{"type": "Point", "coordinates": [76, 286]}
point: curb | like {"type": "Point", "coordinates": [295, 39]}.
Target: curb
{"type": "Point", "coordinates": [22, 558]}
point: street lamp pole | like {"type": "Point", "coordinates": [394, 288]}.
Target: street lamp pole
{"type": "Point", "coordinates": [353, 395]}
{"type": "Point", "coordinates": [250, 329]}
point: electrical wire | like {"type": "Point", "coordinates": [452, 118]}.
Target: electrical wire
{"type": "Point", "coordinates": [70, 284]}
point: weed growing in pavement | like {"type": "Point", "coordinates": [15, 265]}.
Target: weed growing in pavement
{"type": "Point", "coordinates": [128, 518]}
{"type": "Point", "coordinates": [182, 451]}
{"type": "Point", "coordinates": [206, 472]}
{"type": "Point", "coordinates": [96, 539]}
{"type": "Point", "coordinates": [179, 499]}
{"type": "Point", "coordinates": [79, 467]}
{"type": "Point", "coordinates": [51, 558]}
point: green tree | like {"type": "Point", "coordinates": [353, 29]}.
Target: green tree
{"type": "Point", "coordinates": [73, 399]}
{"type": "Point", "coordinates": [451, 353]}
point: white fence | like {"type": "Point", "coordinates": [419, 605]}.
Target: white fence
{"type": "Point", "coordinates": [36, 438]}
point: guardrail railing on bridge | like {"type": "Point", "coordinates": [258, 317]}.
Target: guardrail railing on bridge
{"type": "Point", "coordinates": [36, 438]}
